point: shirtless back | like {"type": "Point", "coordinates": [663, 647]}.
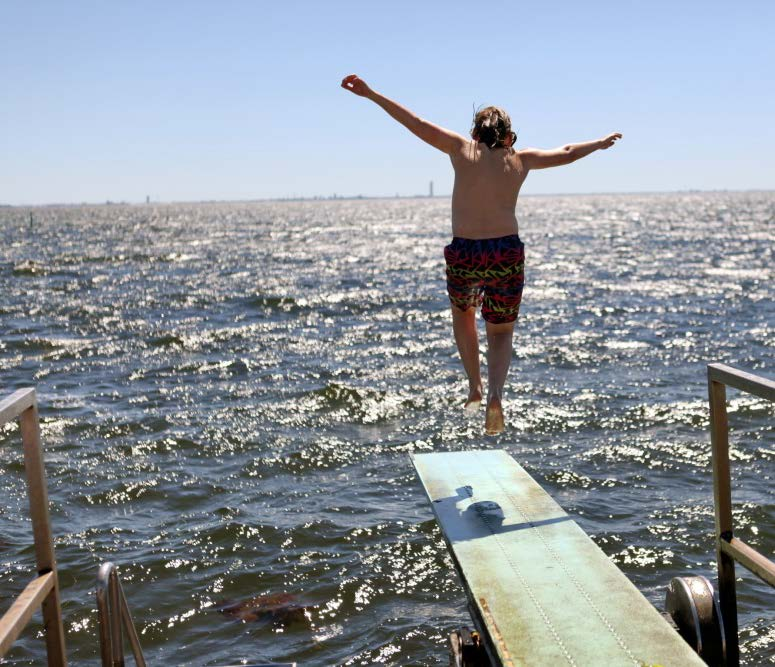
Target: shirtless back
{"type": "Point", "coordinates": [487, 183]}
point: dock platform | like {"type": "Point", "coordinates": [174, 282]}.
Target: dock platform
{"type": "Point", "coordinates": [540, 591]}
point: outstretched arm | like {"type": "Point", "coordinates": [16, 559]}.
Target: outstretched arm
{"type": "Point", "coordinates": [438, 137]}
{"type": "Point", "coordinates": [535, 158]}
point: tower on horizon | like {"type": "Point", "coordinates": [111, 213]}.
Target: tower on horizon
{"type": "Point", "coordinates": [430, 190]}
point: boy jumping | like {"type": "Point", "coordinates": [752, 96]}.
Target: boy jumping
{"type": "Point", "coordinates": [486, 259]}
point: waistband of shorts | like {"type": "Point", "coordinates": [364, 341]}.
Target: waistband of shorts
{"type": "Point", "coordinates": [509, 238]}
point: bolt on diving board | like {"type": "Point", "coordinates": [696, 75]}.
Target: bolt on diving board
{"type": "Point", "coordinates": [539, 589]}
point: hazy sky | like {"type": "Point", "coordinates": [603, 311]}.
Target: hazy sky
{"type": "Point", "coordinates": [241, 100]}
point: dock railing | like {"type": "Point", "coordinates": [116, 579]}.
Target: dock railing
{"type": "Point", "coordinates": [728, 547]}
{"type": "Point", "coordinates": [43, 591]}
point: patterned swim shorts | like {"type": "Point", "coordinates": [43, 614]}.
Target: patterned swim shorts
{"type": "Point", "coordinates": [490, 272]}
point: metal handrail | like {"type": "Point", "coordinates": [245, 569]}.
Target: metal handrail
{"type": "Point", "coordinates": [113, 612]}
{"type": "Point", "coordinates": [728, 547]}
{"type": "Point", "coordinates": [43, 591]}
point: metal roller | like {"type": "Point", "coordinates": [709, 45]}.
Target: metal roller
{"type": "Point", "coordinates": [692, 604]}
{"type": "Point", "coordinates": [466, 649]}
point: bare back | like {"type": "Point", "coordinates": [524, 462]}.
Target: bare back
{"type": "Point", "coordinates": [487, 183]}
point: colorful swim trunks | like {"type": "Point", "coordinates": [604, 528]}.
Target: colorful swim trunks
{"type": "Point", "coordinates": [490, 272]}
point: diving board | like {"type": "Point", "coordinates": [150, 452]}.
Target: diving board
{"type": "Point", "coordinates": [540, 590]}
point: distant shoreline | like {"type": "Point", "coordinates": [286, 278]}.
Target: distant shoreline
{"type": "Point", "coordinates": [110, 203]}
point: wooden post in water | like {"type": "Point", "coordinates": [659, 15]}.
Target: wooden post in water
{"type": "Point", "coordinates": [722, 500]}
{"type": "Point", "coordinates": [41, 530]}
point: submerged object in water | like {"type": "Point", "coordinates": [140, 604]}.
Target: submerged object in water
{"type": "Point", "coordinates": [282, 608]}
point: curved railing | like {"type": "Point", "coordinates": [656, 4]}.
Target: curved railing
{"type": "Point", "coordinates": [113, 613]}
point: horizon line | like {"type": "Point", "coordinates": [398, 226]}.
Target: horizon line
{"type": "Point", "coordinates": [160, 202]}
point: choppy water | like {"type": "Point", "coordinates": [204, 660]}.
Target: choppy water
{"type": "Point", "coordinates": [230, 393]}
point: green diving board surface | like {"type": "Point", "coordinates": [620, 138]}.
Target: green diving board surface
{"type": "Point", "coordinates": [539, 589]}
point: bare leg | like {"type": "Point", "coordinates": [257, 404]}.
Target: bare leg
{"type": "Point", "coordinates": [467, 339]}
{"type": "Point", "coordinates": [498, 360]}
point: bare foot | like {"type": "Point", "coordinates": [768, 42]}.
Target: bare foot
{"type": "Point", "coordinates": [493, 422]}
{"type": "Point", "coordinates": [474, 399]}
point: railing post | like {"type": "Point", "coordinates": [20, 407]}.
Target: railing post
{"type": "Point", "coordinates": [129, 627]}
{"type": "Point", "coordinates": [117, 659]}
{"type": "Point", "coordinates": [41, 528]}
{"type": "Point", "coordinates": [722, 500]}
{"type": "Point", "coordinates": [103, 614]}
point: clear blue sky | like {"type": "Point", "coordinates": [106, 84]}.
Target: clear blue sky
{"type": "Point", "coordinates": [241, 100]}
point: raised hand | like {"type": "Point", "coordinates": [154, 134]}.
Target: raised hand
{"type": "Point", "coordinates": [355, 84]}
{"type": "Point", "coordinates": [610, 140]}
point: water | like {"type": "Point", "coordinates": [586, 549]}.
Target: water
{"type": "Point", "coordinates": [230, 392]}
